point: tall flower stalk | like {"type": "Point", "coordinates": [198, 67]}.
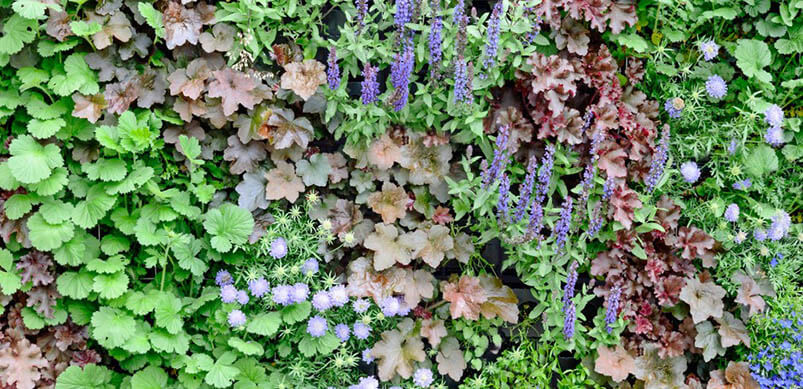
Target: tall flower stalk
{"type": "Point", "coordinates": [492, 39]}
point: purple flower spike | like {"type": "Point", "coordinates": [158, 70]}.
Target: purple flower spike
{"type": "Point", "coordinates": [400, 71]}
{"type": "Point", "coordinates": [492, 40]}
{"type": "Point", "coordinates": [563, 225]}
{"type": "Point", "coordinates": [435, 41]}
{"type": "Point", "coordinates": [370, 87]}
{"type": "Point", "coordinates": [526, 190]}
{"type": "Point", "coordinates": [333, 70]}
{"type": "Point", "coordinates": [658, 163]}
{"type": "Point", "coordinates": [568, 322]}
{"type": "Point", "coordinates": [613, 308]}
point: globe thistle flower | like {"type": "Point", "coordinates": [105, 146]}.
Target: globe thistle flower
{"type": "Point", "coordinates": [690, 172]}
{"type": "Point", "coordinates": [278, 248]}
{"type": "Point", "coordinates": [568, 321]}
{"type": "Point", "coordinates": [423, 377]}
{"type": "Point", "coordinates": [361, 330]}
{"type": "Point", "coordinates": [343, 332]}
{"type": "Point", "coordinates": [282, 294]}
{"type": "Point", "coordinates": [309, 267]}
{"type": "Point", "coordinates": [492, 39]}
{"type": "Point", "coordinates": [317, 326]}
{"type": "Point", "coordinates": [400, 71]}
{"type": "Point", "coordinates": [710, 50]}
{"type": "Point", "coordinates": [743, 184]}
{"type": "Point", "coordinates": [333, 70]}
{"type": "Point", "coordinates": [339, 295]}
{"type": "Point", "coordinates": [563, 225]}
{"type": "Point", "coordinates": [658, 163]}
{"type": "Point", "coordinates": [526, 190]}
{"type": "Point", "coordinates": [759, 234]}
{"type": "Point", "coordinates": [732, 213]}
{"type": "Point", "coordinates": [361, 305]}
{"type": "Point", "coordinates": [435, 40]}
{"type": "Point", "coordinates": [223, 278]}
{"type": "Point", "coordinates": [613, 308]}
{"type": "Point", "coordinates": [228, 294]}
{"type": "Point", "coordinates": [716, 87]}
{"type": "Point", "coordinates": [370, 87]}
{"type": "Point", "coordinates": [321, 301]}
{"type": "Point", "coordinates": [774, 136]}
{"type": "Point", "coordinates": [362, 10]}
{"type": "Point", "coordinates": [779, 227]}
{"type": "Point", "coordinates": [366, 356]}
{"type": "Point", "coordinates": [773, 115]}
{"type": "Point", "coordinates": [258, 287]}
{"type": "Point", "coordinates": [300, 292]}
{"type": "Point", "coordinates": [390, 306]}
{"type": "Point", "coordinates": [242, 297]}
{"type": "Point", "coordinates": [571, 281]}
{"type": "Point", "coordinates": [502, 203]}
{"type": "Point", "coordinates": [236, 318]}
{"type": "Point", "coordinates": [674, 107]}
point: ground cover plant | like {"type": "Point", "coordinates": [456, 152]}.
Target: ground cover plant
{"type": "Point", "coordinates": [401, 194]}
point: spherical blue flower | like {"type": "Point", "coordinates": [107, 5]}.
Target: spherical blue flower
{"type": "Point", "coordinates": [242, 297]}
{"type": "Point", "coordinates": [258, 287]}
{"type": "Point", "coordinates": [390, 306]}
{"type": "Point", "coordinates": [342, 332]}
{"type": "Point", "coordinates": [300, 292]}
{"type": "Point", "coordinates": [716, 87]}
{"type": "Point", "coordinates": [366, 383]}
{"type": "Point", "coordinates": [404, 309]}
{"type": "Point", "coordinates": [339, 295]}
{"type": "Point", "coordinates": [674, 107]}
{"type": "Point", "coordinates": [366, 356]}
{"type": "Point", "coordinates": [710, 50]}
{"type": "Point", "coordinates": [223, 278]}
{"type": "Point", "coordinates": [309, 267]}
{"type": "Point", "coordinates": [423, 377]}
{"type": "Point", "coordinates": [780, 226]}
{"type": "Point", "coordinates": [774, 136]}
{"type": "Point", "coordinates": [321, 301]}
{"type": "Point", "coordinates": [743, 184]}
{"type": "Point", "coordinates": [773, 115]}
{"type": "Point", "coordinates": [361, 305]}
{"type": "Point", "coordinates": [690, 172]}
{"type": "Point", "coordinates": [361, 330]}
{"type": "Point", "coordinates": [281, 294]}
{"type": "Point", "coordinates": [278, 248]}
{"type": "Point", "coordinates": [732, 213]}
{"type": "Point", "coordinates": [316, 326]}
{"type": "Point", "coordinates": [228, 294]}
{"type": "Point", "coordinates": [732, 147]}
{"type": "Point", "coordinates": [236, 318]}
{"type": "Point", "coordinates": [760, 234]}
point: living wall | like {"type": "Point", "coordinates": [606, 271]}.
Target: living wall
{"type": "Point", "coordinates": [401, 194]}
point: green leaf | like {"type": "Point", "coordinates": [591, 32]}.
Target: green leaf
{"type": "Point", "coordinates": [110, 286]}
{"type": "Point", "coordinates": [33, 9]}
{"type": "Point", "coordinates": [198, 362]}
{"type": "Point", "coordinates": [141, 303]}
{"type": "Point", "coordinates": [32, 162]}
{"type": "Point", "coordinates": [81, 248]}
{"type": "Point", "coordinates": [187, 255]}
{"type": "Point", "coordinates": [45, 236]}
{"type": "Point", "coordinates": [9, 282]}
{"type": "Point", "coordinates": [146, 233]}
{"type": "Point", "coordinates": [153, 18]}
{"type": "Point", "coordinates": [295, 313]}
{"type": "Point", "coordinates": [82, 28]}
{"type": "Point", "coordinates": [105, 170]}
{"type": "Point", "coordinates": [42, 129]}
{"type": "Point", "coordinates": [19, 204]}
{"type": "Point", "coordinates": [139, 343]}
{"type": "Point", "coordinates": [223, 372]}
{"type": "Point", "coordinates": [7, 180]}
{"type": "Point", "coordinates": [247, 348]}
{"type": "Point", "coordinates": [135, 179]}
{"type": "Point", "coordinates": [17, 31]}
{"type": "Point", "coordinates": [51, 185]}
{"type": "Point", "coordinates": [151, 377]}
{"type": "Point", "coordinates": [112, 265]}
{"type": "Point", "coordinates": [6, 260]}
{"type": "Point", "coordinates": [228, 225]}
{"type": "Point", "coordinates": [190, 147]}
{"type": "Point", "coordinates": [265, 324]}
{"type": "Point", "coordinates": [114, 244]}
{"type": "Point", "coordinates": [315, 171]}
{"type": "Point", "coordinates": [632, 40]}
{"type": "Point", "coordinates": [761, 160]}
{"type": "Point", "coordinates": [752, 56]}
{"type": "Point", "coordinates": [55, 211]}
{"type": "Point", "coordinates": [75, 285]}
{"type": "Point", "coordinates": [324, 345]}
{"type": "Point", "coordinates": [169, 343]}
{"type": "Point", "coordinates": [88, 212]}
{"type": "Point", "coordinates": [112, 327]}
{"type": "Point", "coordinates": [168, 313]}
{"type": "Point", "coordinates": [90, 377]}
{"type": "Point", "coordinates": [78, 77]}
{"type": "Point", "coordinates": [37, 107]}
